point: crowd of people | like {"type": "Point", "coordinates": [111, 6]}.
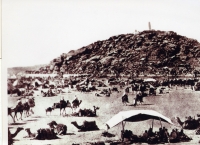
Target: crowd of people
{"type": "Point", "coordinates": [139, 90]}
{"type": "Point", "coordinates": [160, 136]}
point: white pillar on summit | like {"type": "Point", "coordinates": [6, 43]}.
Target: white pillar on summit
{"type": "Point", "coordinates": [149, 26]}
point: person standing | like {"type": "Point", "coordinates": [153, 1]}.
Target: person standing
{"type": "Point", "coordinates": [19, 102]}
{"type": "Point", "coordinates": [62, 99]}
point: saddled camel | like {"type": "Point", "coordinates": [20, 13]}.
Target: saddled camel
{"type": "Point", "coordinates": [18, 109]}
{"type": "Point", "coordinates": [139, 98]}
{"type": "Point", "coordinates": [75, 104]}
{"type": "Point", "coordinates": [31, 103]}
{"type": "Point", "coordinates": [26, 109]}
{"type": "Point", "coordinates": [62, 105]}
{"type": "Point", "coordinates": [125, 99]}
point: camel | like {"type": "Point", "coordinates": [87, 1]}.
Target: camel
{"type": "Point", "coordinates": [11, 136]}
{"type": "Point", "coordinates": [13, 91]}
{"type": "Point", "coordinates": [115, 89]}
{"type": "Point", "coordinates": [10, 113]}
{"type": "Point", "coordinates": [49, 93]}
{"type": "Point", "coordinates": [75, 104]}
{"type": "Point", "coordinates": [45, 133]}
{"type": "Point", "coordinates": [87, 126]}
{"type": "Point", "coordinates": [49, 109]}
{"type": "Point", "coordinates": [42, 134]}
{"type": "Point", "coordinates": [44, 94]}
{"type": "Point", "coordinates": [189, 124]}
{"type": "Point", "coordinates": [61, 129]}
{"type": "Point", "coordinates": [98, 95]}
{"type": "Point", "coordinates": [18, 108]}
{"type": "Point", "coordinates": [125, 99]}
{"type": "Point", "coordinates": [62, 105]}
{"type": "Point", "coordinates": [29, 93]}
{"type": "Point", "coordinates": [87, 112]}
{"type": "Point", "coordinates": [31, 103]}
{"type": "Point", "coordinates": [106, 92]}
{"type": "Point", "coordinates": [139, 98]}
{"type": "Point", "coordinates": [26, 109]}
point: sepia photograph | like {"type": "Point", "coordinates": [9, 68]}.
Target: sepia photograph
{"type": "Point", "coordinates": [115, 72]}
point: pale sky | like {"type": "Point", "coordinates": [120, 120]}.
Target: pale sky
{"type": "Point", "coordinates": [37, 31]}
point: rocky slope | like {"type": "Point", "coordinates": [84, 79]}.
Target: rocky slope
{"type": "Point", "coordinates": [146, 52]}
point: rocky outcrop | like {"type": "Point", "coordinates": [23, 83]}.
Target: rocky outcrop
{"type": "Point", "coordinates": [146, 52]}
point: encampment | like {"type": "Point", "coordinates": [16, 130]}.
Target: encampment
{"type": "Point", "coordinates": [136, 115]}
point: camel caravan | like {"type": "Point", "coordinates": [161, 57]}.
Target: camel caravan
{"type": "Point", "coordinates": [132, 91]}
{"type": "Point", "coordinates": [22, 108]}
{"type": "Point", "coordinates": [27, 86]}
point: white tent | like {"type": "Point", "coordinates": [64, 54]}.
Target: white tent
{"type": "Point", "coordinates": [149, 80]}
{"type": "Point", "coordinates": [15, 83]}
{"type": "Point", "coordinates": [52, 83]}
{"type": "Point", "coordinates": [136, 115]}
{"type": "Point", "coordinates": [39, 82]}
{"type": "Point", "coordinates": [13, 77]}
{"type": "Point", "coordinates": [36, 80]}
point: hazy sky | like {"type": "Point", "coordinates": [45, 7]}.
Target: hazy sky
{"type": "Point", "coordinates": [36, 31]}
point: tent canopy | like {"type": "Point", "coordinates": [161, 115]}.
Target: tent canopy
{"type": "Point", "coordinates": [15, 83]}
{"type": "Point", "coordinates": [36, 80]}
{"type": "Point", "coordinates": [39, 82]}
{"type": "Point", "coordinates": [149, 80]}
{"type": "Point", "coordinates": [136, 115]}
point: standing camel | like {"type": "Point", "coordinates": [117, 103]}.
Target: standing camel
{"type": "Point", "coordinates": [31, 103]}
{"type": "Point", "coordinates": [62, 105]}
{"type": "Point", "coordinates": [75, 104]}
{"type": "Point", "coordinates": [125, 99]}
{"type": "Point", "coordinates": [18, 109]}
{"type": "Point", "coordinates": [26, 109]}
{"type": "Point", "coordinates": [10, 113]}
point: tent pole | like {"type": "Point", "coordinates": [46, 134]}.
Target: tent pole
{"type": "Point", "coordinates": [122, 126]}
{"type": "Point", "coordinates": [160, 122]}
{"type": "Point", "coordinates": [122, 133]}
{"type": "Point", "coordinates": [152, 124]}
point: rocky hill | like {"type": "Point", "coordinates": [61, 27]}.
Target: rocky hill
{"type": "Point", "coordinates": [147, 52]}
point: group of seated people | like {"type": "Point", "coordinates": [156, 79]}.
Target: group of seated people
{"type": "Point", "coordinates": [51, 92]}
{"type": "Point", "coordinates": [189, 119]}
{"type": "Point", "coordinates": [160, 136]}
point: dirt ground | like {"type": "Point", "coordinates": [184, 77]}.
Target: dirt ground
{"type": "Point", "coordinates": [180, 102]}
